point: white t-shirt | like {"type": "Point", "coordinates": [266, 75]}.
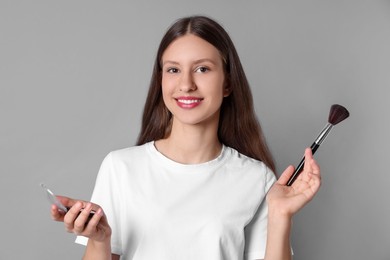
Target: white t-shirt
{"type": "Point", "coordinates": [160, 209]}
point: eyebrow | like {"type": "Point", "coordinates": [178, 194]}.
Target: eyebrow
{"type": "Point", "coordinates": [196, 62]}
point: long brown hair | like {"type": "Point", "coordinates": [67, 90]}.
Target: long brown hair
{"type": "Point", "coordinates": [238, 125]}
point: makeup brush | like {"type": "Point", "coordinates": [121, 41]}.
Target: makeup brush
{"type": "Point", "coordinates": [337, 114]}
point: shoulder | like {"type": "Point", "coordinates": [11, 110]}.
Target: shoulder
{"type": "Point", "coordinates": [121, 159]}
{"type": "Point", "coordinates": [249, 167]}
{"type": "Point", "coordinates": [129, 153]}
{"type": "Point", "coordinates": [123, 162]}
{"type": "Point", "coordinates": [239, 160]}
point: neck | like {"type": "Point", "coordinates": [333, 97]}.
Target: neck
{"type": "Point", "coordinates": [190, 144]}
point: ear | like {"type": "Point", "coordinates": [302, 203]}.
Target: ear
{"type": "Point", "coordinates": [226, 89]}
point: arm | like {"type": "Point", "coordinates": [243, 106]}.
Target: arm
{"type": "Point", "coordinates": [284, 201]}
{"type": "Point", "coordinates": [278, 238]}
{"type": "Point", "coordinates": [99, 250]}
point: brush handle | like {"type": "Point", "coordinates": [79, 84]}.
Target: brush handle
{"type": "Point", "coordinates": [321, 137]}
{"type": "Point", "coordinates": [299, 168]}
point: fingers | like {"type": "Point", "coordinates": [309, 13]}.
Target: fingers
{"type": "Point", "coordinates": [83, 218]}
{"type": "Point", "coordinates": [56, 214]}
{"type": "Point", "coordinates": [93, 223]}
{"type": "Point", "coordinates": [283, 179]}
{"type": "Point", "coordinates": [72, 215]}
{"type": "Point", "coordinates": [67, 202]}
{"type": "Point", "coordinates": [311, 166]}
{"type": "Point", "coordinates": [314, 175]}
{"type": "Point", "coordinates": [310, 179]}
{"type": "Point", "coordinates": [308, 153]}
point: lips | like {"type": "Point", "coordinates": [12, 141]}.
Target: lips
{"type": "Point", "coordinates": [188, 102]}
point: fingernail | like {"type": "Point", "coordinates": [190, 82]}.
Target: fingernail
{"type": "Point", "coordinates": [99, 212]}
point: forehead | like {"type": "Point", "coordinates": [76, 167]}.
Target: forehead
{"type": "Point", "coordinates": [190, 47]}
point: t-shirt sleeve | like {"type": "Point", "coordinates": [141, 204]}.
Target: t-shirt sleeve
{"type": "Point", "coordinates": [256, 230]}
{"type": "Point", "coordinates": [104, 195]}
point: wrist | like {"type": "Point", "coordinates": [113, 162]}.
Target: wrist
{"type": "Point", "coordinates": [280, 219]}
{"type": "Point", "coordinates": [102, 241]}
{"type": "Point", "coordinates": [278, 211]}
{"type": "Point", "coordinates": [98, 250]}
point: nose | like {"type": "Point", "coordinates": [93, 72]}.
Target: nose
{"type": "Point", "coordinates": [187, 83]}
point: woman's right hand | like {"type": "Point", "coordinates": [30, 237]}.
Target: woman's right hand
{"type": "Point", "coordinates": [78, 221]}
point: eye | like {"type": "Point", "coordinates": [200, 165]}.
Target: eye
{"type": "Point", "coordinates": [172, 70]}
{"type": "Point", "coordinates": [202, 69]}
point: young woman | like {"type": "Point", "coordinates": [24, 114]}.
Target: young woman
{"type": "Point", "coordinates": [200, 182]}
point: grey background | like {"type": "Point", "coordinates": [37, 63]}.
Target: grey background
{"type": "Point", "coordinates": [74, 76]}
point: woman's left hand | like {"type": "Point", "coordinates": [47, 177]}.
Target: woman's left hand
{"type": "Point", "coordinates": [287, 200]}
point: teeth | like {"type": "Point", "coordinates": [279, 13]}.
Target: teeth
{"type": "Point", "coordinates": [189, 101]}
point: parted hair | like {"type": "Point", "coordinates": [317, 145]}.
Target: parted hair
{"type": "Point", "coordinates": [238, 127]}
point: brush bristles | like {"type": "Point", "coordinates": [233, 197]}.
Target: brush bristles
{"type": "Point", "coordinates": [337, 114]}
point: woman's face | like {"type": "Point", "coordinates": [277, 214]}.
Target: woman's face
{"type": "Point", "coordinates": [193, 80]}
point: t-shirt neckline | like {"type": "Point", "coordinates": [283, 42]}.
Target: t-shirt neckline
{"type": "Point", "coordinates": [176, 166]}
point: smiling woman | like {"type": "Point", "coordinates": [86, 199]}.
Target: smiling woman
{"type": "Point", "coordinates": [200, 182]}
{"type": "Point", "coordinates": [238, 126]}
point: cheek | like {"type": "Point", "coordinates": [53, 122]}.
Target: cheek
{"type": "Point", "coordinates": [164, 85]}
{"type": "Point", "coordinates": [167, 84]}
{"type": "Point", "coordinates": [166, 95]}
{"type": "Point", "coordinates": [218, 89]}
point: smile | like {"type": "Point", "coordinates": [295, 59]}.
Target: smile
{"type": "Point", "coordinates": [188, 102]}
